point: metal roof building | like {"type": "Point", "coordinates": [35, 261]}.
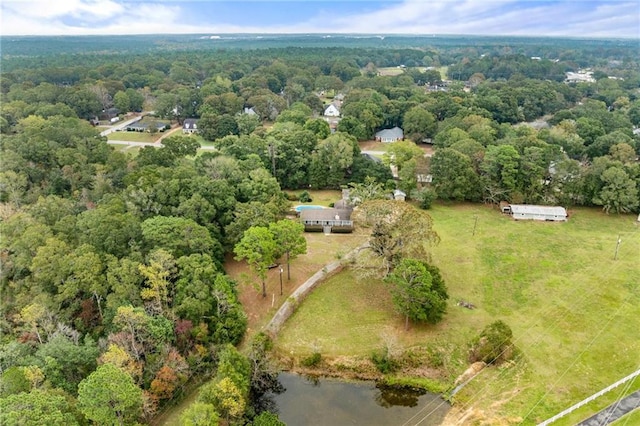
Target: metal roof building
{"type": "Point", "coordinates": [532, 212]}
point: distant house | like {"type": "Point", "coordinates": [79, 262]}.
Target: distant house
{"type": "Point", "coordinates": [249, 111]}
{"type": "Point", "coordinates": [533, 212]}
{"type": "Point", "coordinates": [399, 195]}
{"type": "Point", "coordinates": [145, 126]}
{"type": "Point", "coordinates": [582, 76]}
{"type": "Point", "coordinates": [390, 135]}
{"type": "Point", "coordinates": [190, 126]}
{"type": "Point", "coordinates": [424, 178]}
{"type": "Point", "coordinates": [331, 111]}
{"type": "Point", "coordinates": [108, 114]}
{"type": "Point", "coordinates": [327, 220]}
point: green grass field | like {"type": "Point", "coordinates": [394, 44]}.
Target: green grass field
{"type": "Point", "coordinates": [572, 307]}
{"type": "Point", "coordinates": [134, 136]}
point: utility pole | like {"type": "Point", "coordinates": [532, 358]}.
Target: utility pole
{"type": "Point", "coordinates": [474, 226]}
{"type": "Point", "coordinates": [281, 271]}
{"type": "Point", "coordinates": [615, 256]}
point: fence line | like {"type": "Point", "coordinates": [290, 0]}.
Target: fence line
{"type": "Point", "coordinates": [589, 399]}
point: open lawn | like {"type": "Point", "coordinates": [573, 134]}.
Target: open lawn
{"type": "Point", "coordinates": [134, 136]}
{"type": "Point", "coordinates": [318, 197]}
{"type": "Point", "coordinates": [321, 250]}
{"type": "Point", "coordinates": [390, 71]}
{"type": "Point", "coordinates": [572, 307]}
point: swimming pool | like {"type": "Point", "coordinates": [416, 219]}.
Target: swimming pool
{"type": "Point", "coordinates": [308, 207]}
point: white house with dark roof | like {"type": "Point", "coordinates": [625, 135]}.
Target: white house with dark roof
{"type": "Point", "coordinates": [390, 135]}
{"type": "Point", "coordinates": [331, 111]}
{"type": "Point", "coordinates": [190, 126]}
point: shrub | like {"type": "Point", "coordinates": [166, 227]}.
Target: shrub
{"type": "Point", "coordinates": [493, 345]}
{"type": "Point", "coordinates": [305, 197]}
{"type": "Point", "coordinates": [291, 197]}
{"type": "Point", "coordinates": [384, 362]}
{"type": "Point", "coordinates": [312, 360]}
{"type": "Point", "coordinates": [425, 197]}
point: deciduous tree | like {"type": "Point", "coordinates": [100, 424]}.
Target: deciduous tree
{"type": "Point", "coordinates": [259, 249]}
{"type": "Point", "coordinates": [398, 230]}
{"type": "Point", "coordinates": [109, 396]}
{"type": "Point", "coordinates": [416, 293]}
{"type": "Point", "coordinates": [289, 238]}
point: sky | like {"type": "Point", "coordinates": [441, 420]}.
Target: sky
{"type": "Point", "coordinates": [571, 18]}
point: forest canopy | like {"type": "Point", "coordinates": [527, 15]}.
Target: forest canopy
{"type": "Point", "coordinates": [112, 260]}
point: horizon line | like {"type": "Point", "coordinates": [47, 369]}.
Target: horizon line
{"type": "Point", "coordinates": [318, 33]}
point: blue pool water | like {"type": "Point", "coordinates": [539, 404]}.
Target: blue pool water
{"type": "Point", "coordinates": [307, 207]}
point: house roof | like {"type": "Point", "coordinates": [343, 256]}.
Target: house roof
{"type": "Point", "coordinates": [190, 123]}
{"type": "Point", "coordinates": [249, 111]}
{"type": "Point", "coordinates": [325, 214]}
{"type": "Point", "coordinates": [330, 108]}
{"type": "Point", "coordinates": [145, 125]}
{"type": "Point", "coordinates": [395, 133]}
{"type": "Point", "coordinates": [342, 205]}
{"type": "Point", "coordinates": [398, 192]}
{"type": "Point", "coordinates": [538, 210]}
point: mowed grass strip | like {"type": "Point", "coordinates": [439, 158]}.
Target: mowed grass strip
{"type": "Point", "coordinates": [134, 136]}
{"type": "Point", "coordinates": [343, 316]}
{"type": "Point", "coordinates": [572, 307]}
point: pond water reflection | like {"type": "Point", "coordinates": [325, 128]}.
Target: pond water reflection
{"type": "Point", "coordinates": [329, 402]}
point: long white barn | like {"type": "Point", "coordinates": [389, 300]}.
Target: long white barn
{"type": "Point", "coordinates": [533, 212]}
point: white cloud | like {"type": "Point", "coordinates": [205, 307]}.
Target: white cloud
{"type": "Point", "coordinates": [76, 17]}
{"type": "Point", "coordinates": [606, 18]}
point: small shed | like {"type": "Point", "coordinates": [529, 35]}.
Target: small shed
{"type": "Point", "coordinates": [326, 220]}
{"type": "Point", "coordinates": [399, 195]}
{"type": "Point", "coordinates": [532, 212]}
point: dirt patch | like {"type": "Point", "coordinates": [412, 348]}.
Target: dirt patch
{"type": "Point", "coordinates": [371, 146]}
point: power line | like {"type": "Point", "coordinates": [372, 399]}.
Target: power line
{"type": "Point", "coordinates": [574, 361]}
{"type": "Point", "coordinates": [584, 295]}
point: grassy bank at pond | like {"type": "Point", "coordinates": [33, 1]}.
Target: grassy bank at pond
{"type": "Point", "coordinates": [572, 307]}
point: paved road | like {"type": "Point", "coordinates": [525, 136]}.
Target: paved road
{"type": "Point", "coordinates": [614, 411]}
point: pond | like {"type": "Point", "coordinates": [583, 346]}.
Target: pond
{"type": "Point", "coordinates": [321, 402]}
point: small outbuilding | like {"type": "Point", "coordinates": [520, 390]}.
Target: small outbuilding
{"type": "Point", "coordinates": [533, 212]}
{"type": "Point", "coordinates": [399, 195]}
